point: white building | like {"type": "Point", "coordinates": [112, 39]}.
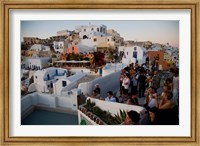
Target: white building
{"type": "Point", "coordinates": [87, 32]}
{"type": "Point", "coordinates": [39, 47]}
{"type": "Point", "coordinates": [114, 38]}
{"type": "Point", "coordinates": [63, 33]}
{"type": "Point", "coordinates": [112, 67]}
{"type": "Point", "coordinates": [36, 62]}
{"type": "Point", "coordinates": [45, 78]}
{"type": "Point", "coordinates": [63, 85]}
{"type": "Point", "coordinates": [133, 54]}
{"type": "Point", "coordinates": [60, 46]}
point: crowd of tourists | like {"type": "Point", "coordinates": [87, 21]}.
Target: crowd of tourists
{"type": "Point", "coordinates": [138, 81]}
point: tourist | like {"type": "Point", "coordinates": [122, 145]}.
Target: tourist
{"type": "Point", "coordinates": [142, 83]}
{"type": "Point", "coordinates": [166, 102]}
{"type": "Point", "coordinates": [132, 118]}
{"type": "Point", "coordinates": [176, 87]}
{"type": "Point", "coordinates": [134, 99]}
{"type": "Point", "coordinates": [134, 83]}
{"type": "Point", "coordinates": [153, 117]}
{"type": "Point", "coordinates": [168, 82]}
{"type": "Point", "coordinates": [155, 81]}
{"type": "Point", "coordinates": [95, 94]}
{"type": "Point", "coordinates": [167, 110]}
{"type": "Point", "coordinates": [150, 98]}
{"type": "Point", "coordinates": [110, 97]}
{"type": "Point", "coordinates": [121, 80]}
{"type": "Point", "coordinates": [130, 101]}
{"type": "Point", "coordinates": [166, 89]}
{"type": "Point", "coordinates": [125, 83]}
{"type": "Point", "coordinates": [124, 96]}
{"type": "Point", "coordinates": [97, 88]}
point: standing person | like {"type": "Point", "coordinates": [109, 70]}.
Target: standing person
{"type": "Point", "coordinates": [176, 87]}
{"type": "Point", "coordinates": [134, 83]}
{"type": "Point", "coordinates": [142, 83]}
{"type": "Point", "coordinates": [97, 88]}
{"type": "Point", "coordinates": [126, 83]}
{"type": "Point", "coordinates": [121, 80]}
{"type": "Point", "coordinates": [155, 81]}
{"type": "Point", "coordinates": [168, 82]}
{"type": "Point", "coordinates": [157, 61]}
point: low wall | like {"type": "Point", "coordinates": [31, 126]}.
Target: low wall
{"type": "Point", "coordinates": [112, 67]}
{"type": "Point", "coordinates": [53, 101]}
{"type": "Point", "coordinates": [112, 107]}
{"type": "Point", "coordinates": [83, 70]}
{"type": "Point", "coordinates": [106, 83]}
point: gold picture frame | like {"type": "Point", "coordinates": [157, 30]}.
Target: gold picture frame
{"type": "Point", "coordinates": [7, 5]}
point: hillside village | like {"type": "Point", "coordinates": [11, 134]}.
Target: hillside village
{"type": "Point", "coordinates": [61, 71]}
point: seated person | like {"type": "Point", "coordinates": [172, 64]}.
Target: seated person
{"type": "Point", "coordinates": [166, 88]}
{"type": "Point", "coordinates": [97, 88]}
{"type": "Point", "coordinates": [110, 97]}
{"type": "Point", "coordinates": [163, 117]}
{"type": "Point", "coordinates": [130, 101]}
{"type": "Point", "coordinates": [134, 99]}
{"type": "Point", "coordinates": [166, 102]}
{"type": "Point", "coordinates": [168, 82]}
{"type": "Point", "coordinates": [95, 94]}
{"type": "Point", "coordinates": [124, 97]}
{"type": "Point", "coordinates": [151, 97]}
{"type": "Point", "coordinates": [132, 118]}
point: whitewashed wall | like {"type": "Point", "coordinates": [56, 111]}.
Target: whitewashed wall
{"type": "Point", "coordinates": [112, 67]}
{"type": "Point", "coordinates": [50, 100]}
{"type": "Point", "coordinates": [106, 83]}
{"type": "Point", "coordinates": [128, 61]}
{"type": "Point", "coordinates": [71, 83]}
{"type": "Point", "coordinates": [114, 107]}
{"type": "Point", "coordinates": [84, 70]}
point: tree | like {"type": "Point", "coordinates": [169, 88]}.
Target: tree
{"type": "Point", "coordinates": [98, 59]}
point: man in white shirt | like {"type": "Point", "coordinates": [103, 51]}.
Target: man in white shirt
{"type": "Point", "coordinates": [110, 97]}
{"type": "Point", "coordinates": [175, 98]}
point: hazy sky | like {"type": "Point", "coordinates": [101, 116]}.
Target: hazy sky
{"type": "Point", "coordinates": [164, 31]}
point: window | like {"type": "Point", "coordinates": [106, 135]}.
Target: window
{"type": "Point", "coordinates": [104, 30]}
{"type": "Point", "coordinates": [95, 39]}
{"type": "Point", "coordinates": [98, 29]}
{"type": "Point", "coordinates": [36, 77]}
{"type": "Point", "coordinates": [64, 83]}
{"type": "Point", "coordinates": [135, 55]}
{"type": "Point", "coordinates": [108, 40]}
{"type": "Point", "coordinates": [92, 29]}
{"type": "Point", "coordinates": [48, 77]}
{"type": "Point", "coordinates": [72, 48]}
{"type": "Point", "coordinates": [135, 48]}
{"type": "Point", "coordinates": [84, 30]}
{"type": "Point", "coordinates": [127, 53]}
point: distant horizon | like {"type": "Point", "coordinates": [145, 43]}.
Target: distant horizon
{"type": "Point", "coordinates": [162, 31]}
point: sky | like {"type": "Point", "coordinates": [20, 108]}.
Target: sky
{"type": "Point", "coordinates": [162, 31]}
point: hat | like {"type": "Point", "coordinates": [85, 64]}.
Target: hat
{"type": "Point", "coordinates": [134, 116]}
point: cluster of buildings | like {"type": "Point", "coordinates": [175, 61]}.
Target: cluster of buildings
{"type": "Point", "coordinates": [48, 71]}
